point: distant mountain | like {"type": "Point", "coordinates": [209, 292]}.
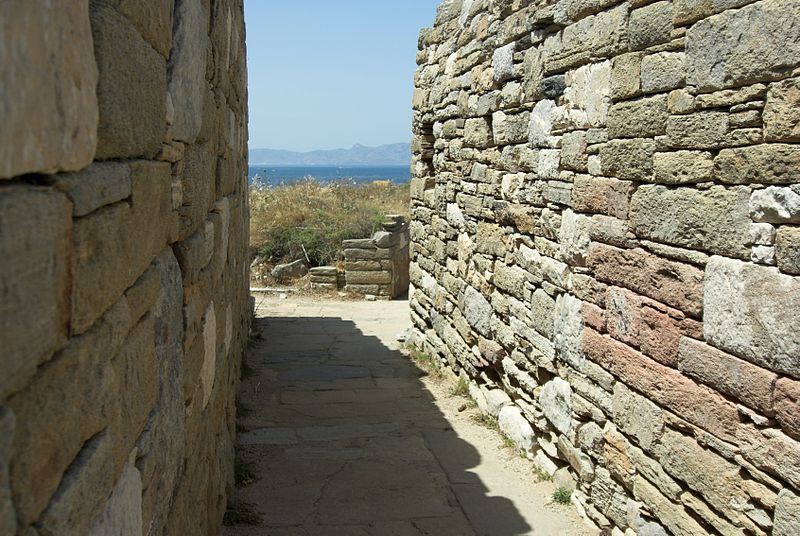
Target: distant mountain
{"type": "Point", "coordinates": [359, 155]}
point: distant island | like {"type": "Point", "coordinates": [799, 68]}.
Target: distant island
{"type": "Point", "coordinates": [394, 154]}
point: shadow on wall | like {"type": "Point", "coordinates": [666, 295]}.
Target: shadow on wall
{"type": "Point", "coordinates": [342, 433]}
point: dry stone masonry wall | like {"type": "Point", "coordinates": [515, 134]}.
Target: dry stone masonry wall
{"type": "Point", "coordinates": [124, 305]}
{"type": "Point", "coordinates": [606, 242]}
{"type": "Point", "coordinates": [378, 266]}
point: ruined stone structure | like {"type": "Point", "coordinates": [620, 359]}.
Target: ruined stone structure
{"type": "Point", "coordinates": [124, 305]}
{"type": "Point", "coordinates": [605, 241]}
{"type": "Point", "coordinates": [378, 266]}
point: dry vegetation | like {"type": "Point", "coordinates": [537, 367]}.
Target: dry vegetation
{"type": "Point", "coordinates": [318, 216]}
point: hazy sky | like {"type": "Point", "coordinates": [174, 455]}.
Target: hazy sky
{"type": "Point", "coordinates": [326, 74]}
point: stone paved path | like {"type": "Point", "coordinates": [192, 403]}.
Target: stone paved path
{"type": "Point", "coordinates": [345, 438]}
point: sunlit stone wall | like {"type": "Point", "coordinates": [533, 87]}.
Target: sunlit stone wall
{"type": "Point", "coordinates": [124, 304]}
{"type": "Point", "coordinates": [606, 243]}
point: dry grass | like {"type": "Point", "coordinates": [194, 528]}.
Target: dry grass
{"type": "Point", "coordinates": [318, 216]}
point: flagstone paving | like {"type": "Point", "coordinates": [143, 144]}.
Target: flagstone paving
{"type": "Point", "coordinates": [344, 436]}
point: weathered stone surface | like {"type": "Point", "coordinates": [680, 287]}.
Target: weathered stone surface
{"type": "Point", "coordinates": [48, 76]}
{"type": "Point", "coordinates": [628, 159]}
{"type": "Point", "coordinates": [715, 220]}
{"type": "Point", "coordinates": [35, 245]}
{"type": "Point", "coordinates": [510, 128]}
{"type": "Point", "coordinates": [700, 130]}
{"type": "Point", "coordinates": [104, 251]}
{"type": "Point", "coordinates": [123, 511]}
{"type": "Point", "coordinates": [675, 284]}
{"type": "Point", "coordinates": [556, 403]}
{"type": "Point", "coordinates": [640, 118]}
{"type": "Point", "coordinates": [787, 514]}
{"type": "Point", "coordinates": [727, 374]}
{"type": "Point", "coordinates": [776, 204]}
{"type": "Point", "coordinates": [716, 479]}
{"type": "Point", "coordinates": [650, 25]}
{"type": "Point", "coordinates": [674, 516]}
{"type": "Point", "coordinates": [624, 315]}
{"type": "Point", "coordinates": [626, 75]}
{"type": "Point", "coordinates": [153, 20]}
{"type": "Point", "coordinates": [477, 311]}
{"type": "Point", "coordinates": [568, 330]}
{"type": "Point", "coordinates": [766, 164]}
{"type": "Point", "coordinates": [595, 36]}
{"type": "Point", "coordinates": [503, 62]}
{"type": "Point", "coordinates": [187, 69]}
{"type": "Point", "coordinates": [683, 167]}
{"type": "Point", "coordinates": [637, 416]}
{"type": "Point", "coordinates": [787, 406]}
{"type": "Point", "coordinates": [665, 386]}
{"type": "Point", "coordinates": [732, 50]}
{"type": "Point", "coordinates": [586, 97]}
{"type": "Point", "coordinates": [477, 133]}
{"type": "Point", "coordinates": [574, 238]}
{"type": "Point", "coordinates": [131, 88]}
{"type": "Point", "coordinates": [100, 184]}
{"type": "Point", "coordinates": [750, 312]}
{"type": "Point", "coordinates": [663, 71]}
{"type": "Point", "coordinates": [544, 114]}
{"type": "Point", "coordinates": [516, 427]}
{"type": "Point", "coordinates": [601, 195]}
{"type": "Point", "coordinates": [787, 249]}
{"type": "Point", "coordinates": [782, 111]}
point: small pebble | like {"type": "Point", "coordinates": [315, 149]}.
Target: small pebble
{"type": "Point", "coordinates": [462, 407]}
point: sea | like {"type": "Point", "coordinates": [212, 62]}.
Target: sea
{"type": "Point", "coordinates": [276, 175]}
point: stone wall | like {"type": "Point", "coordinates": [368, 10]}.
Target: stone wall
{"type": "Point", "coordinates": [378, 266]}
{"type": "Point", "coordinates": [124, 304]}
{"type": "Point", "coordinates": [605, 241]}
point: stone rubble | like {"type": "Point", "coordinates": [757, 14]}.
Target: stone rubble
{"type": "Point", "coordinates": [605, 210]}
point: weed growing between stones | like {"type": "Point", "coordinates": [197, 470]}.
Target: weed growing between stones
{"type": "Point", "coordinates": [461, 388]}
{"type": "Point", "coordinates": [541, 474]}
{"type": "Point", "coordinates": [486, 420]}
{"type": "Point", "coordinates": [427, 364]}
{"type": "Point", "coordinates": [562, 495]}
{"type": "Point", "coordinates": [241, 513]}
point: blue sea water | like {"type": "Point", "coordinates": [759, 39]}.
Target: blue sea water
{"type": "Point", "coordinates": [276, 175]}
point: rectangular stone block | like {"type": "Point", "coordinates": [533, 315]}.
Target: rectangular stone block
{"type": "Point", "coordinates": [752, 311]}
{"type": "Point", "coordinates": [131, 90]}
{"type": "Point", "coordinates": [787, 249]}
{"type": "Point", "coordinates": [715, 220]}
{"type": "Point", "coordinates": [734, 49]}
{"type": "Point", "coordinates": [663, 71]}
{"type": "Point", "coordinates": [771, 451]}
{"type": "Point", "coordinates": [666, 387]}
{"type": "Point", "coordinates": [100, 184]}
{"type": "Point", "coordinates": [368, 278]}
{"type": "Point", "coordinates": [774, 163]}
{"type": "Point", "coordinates": [782, 111]}
{"type": "Point", "coordinates": [628, 159]}
{"type": "Point", "coordinates": [641, 118]}
{"type": "Point", "coordinates": [673, 283]}
{"type": "Point", "coordinates": [595, 36]}
{"type": "Point", "coordinates": [650, 25]}
{"type": "Point", "coordinates": [35, 247]}
{"type": "Point", "coordinates": [729, 375]}
{"type": "Point", "coordinates": [626, 75]}
{"type": "Point", "coordinates": [700, 130]}
{"type": "Point", "coordinates": [600, 195]}
{"type": "Point", "coordinates": [660, 335]}
{"type": "Point", "coordinates": [683, 167]}
{"type": "Point", "coordinates": [48, 107]}
{"type": "Point", "coordinates": [787, 406]}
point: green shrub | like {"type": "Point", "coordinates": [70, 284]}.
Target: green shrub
{"type": "Point", "coordinates": [562, 495]}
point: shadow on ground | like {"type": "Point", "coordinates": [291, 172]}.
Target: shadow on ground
{"type": "Point", "coordinates": [343, 438]}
